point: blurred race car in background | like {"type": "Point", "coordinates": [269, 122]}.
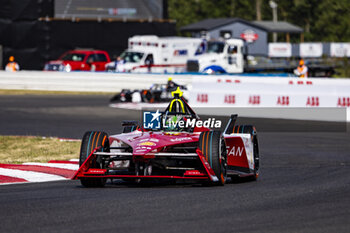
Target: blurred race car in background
{"type": "Point", "coordinates": [170, 145]}
{"type": "Point", "coordinates": [157, 93]}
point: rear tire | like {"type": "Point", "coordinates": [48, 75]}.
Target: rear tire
{"type": "Point", "coordinates": [92, 140]}
{"type": "Point", "coordinates": [213, 148]}
{"type": "Point", "coordinates": [254, 137]}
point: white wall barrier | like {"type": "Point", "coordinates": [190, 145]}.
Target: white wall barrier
{"type": "Point", "coordinates": [207, 91]}
{"type": "Point", "coordinates": [242, 92]}
{"type": "Point", "coordinates": [83, 81]}
{"type": "Point", "coordinates": [270, 92]}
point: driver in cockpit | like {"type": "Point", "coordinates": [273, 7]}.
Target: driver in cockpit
{"type": "Point", "coordinates": [177, 113]}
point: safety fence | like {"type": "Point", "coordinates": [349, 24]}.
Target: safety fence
{"type": "Point", "coordinates": [270, 92]}
{"type": "Point", "coordinates": [290, 98]}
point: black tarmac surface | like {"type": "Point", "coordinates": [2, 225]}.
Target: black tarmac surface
{"type": "Point", "coordinates": [304, 183]}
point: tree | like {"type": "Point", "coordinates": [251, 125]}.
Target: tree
{"type": "Point", "coordinates": [322, 20]}
{"type": "Point", "coordinates": [191, 11]}
{"type": "Point", "coordinates": [258, 9]}
{"type": "Point", "coordinates": [333, 21]}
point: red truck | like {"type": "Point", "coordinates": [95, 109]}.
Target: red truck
{"type": "Point", "coordinates": [80, 60]}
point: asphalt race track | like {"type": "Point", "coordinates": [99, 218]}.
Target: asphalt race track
{"type": "Point", "coordinates": [304, 184]}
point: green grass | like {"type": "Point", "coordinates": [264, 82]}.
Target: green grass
{"type": "Point", "coordinates": [18, 149]}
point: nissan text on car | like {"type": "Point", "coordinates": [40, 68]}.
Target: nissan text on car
{"type": "Point", "coordinates": [79, 60]}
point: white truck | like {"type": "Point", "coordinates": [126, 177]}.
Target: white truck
{"type": "Point", "coordinates": [224, 56]}
{"type": "Point", "coordinates": [158, 54]}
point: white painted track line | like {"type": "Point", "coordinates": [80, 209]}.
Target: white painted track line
{"type": "Point", "coordinates": [30, 176]}
{"type": "Point", "coordinates": [56, 165]}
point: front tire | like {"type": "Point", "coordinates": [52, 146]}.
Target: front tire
{"type": "Point", "coordinates": [92, 140]}
{"type": "Point", "coordinates": [213, 148]}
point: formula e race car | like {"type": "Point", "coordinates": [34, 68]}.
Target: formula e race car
{"type": "Point", "coordinates": [157, 93]}
{"type": "Point", "coordinates": [170, 145]}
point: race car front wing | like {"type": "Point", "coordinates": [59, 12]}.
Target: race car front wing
{"type": "Point", "coordinates": [86, 170]}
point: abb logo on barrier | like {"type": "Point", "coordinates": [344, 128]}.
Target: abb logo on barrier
{"type": "Point", "coordinates": [343, 102]}
{"type": "Point", "coordinates": [230, 99]}
{"type": "Point", "coordinates": [202, 98]}
{"type": "Point", "coordinates": [229, 81]}
{"type": "Point", "coordinates": [313, 101]}
{"type": "Point", "coordinates": [254, 99]}
{"type": "Point", "coordinates": [300, 82]}
{"type": "Point", "coordinates": [283, 100]}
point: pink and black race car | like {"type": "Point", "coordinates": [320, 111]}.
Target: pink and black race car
{"type": "Point", "coordinates": [171, 145]}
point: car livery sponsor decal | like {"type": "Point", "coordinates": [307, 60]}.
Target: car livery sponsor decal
{"type": "Point", "coordinates": [142, 149]}
{"type": "Point", "coordinates": [172, 133]}
{"type": "Point", "coordinates": [150, 139]}
{"type": "Point", "coordinates": [240, 151]}
{"type": "Point", "coordinates": [148, 143]}
{"type": "Point", "coordinates": [180, 139]}
{"type": "Point", "coordinates": [235, 151]}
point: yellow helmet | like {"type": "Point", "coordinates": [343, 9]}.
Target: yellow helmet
{"type": "Point", "coordinates": [177, 92]}
{"type": "Point", "coordinates": [170, 79]}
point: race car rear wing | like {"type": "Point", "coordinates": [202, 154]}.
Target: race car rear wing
{"type": "Point", "coordinates": [130, 126]}
{"type": "Point", "coordinates": [230, 124]}
{"type": "Point", "coordinates": [130, 123]}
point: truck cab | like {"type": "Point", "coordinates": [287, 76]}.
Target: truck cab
{"type": "Point", "coordinates": [223, 56]}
